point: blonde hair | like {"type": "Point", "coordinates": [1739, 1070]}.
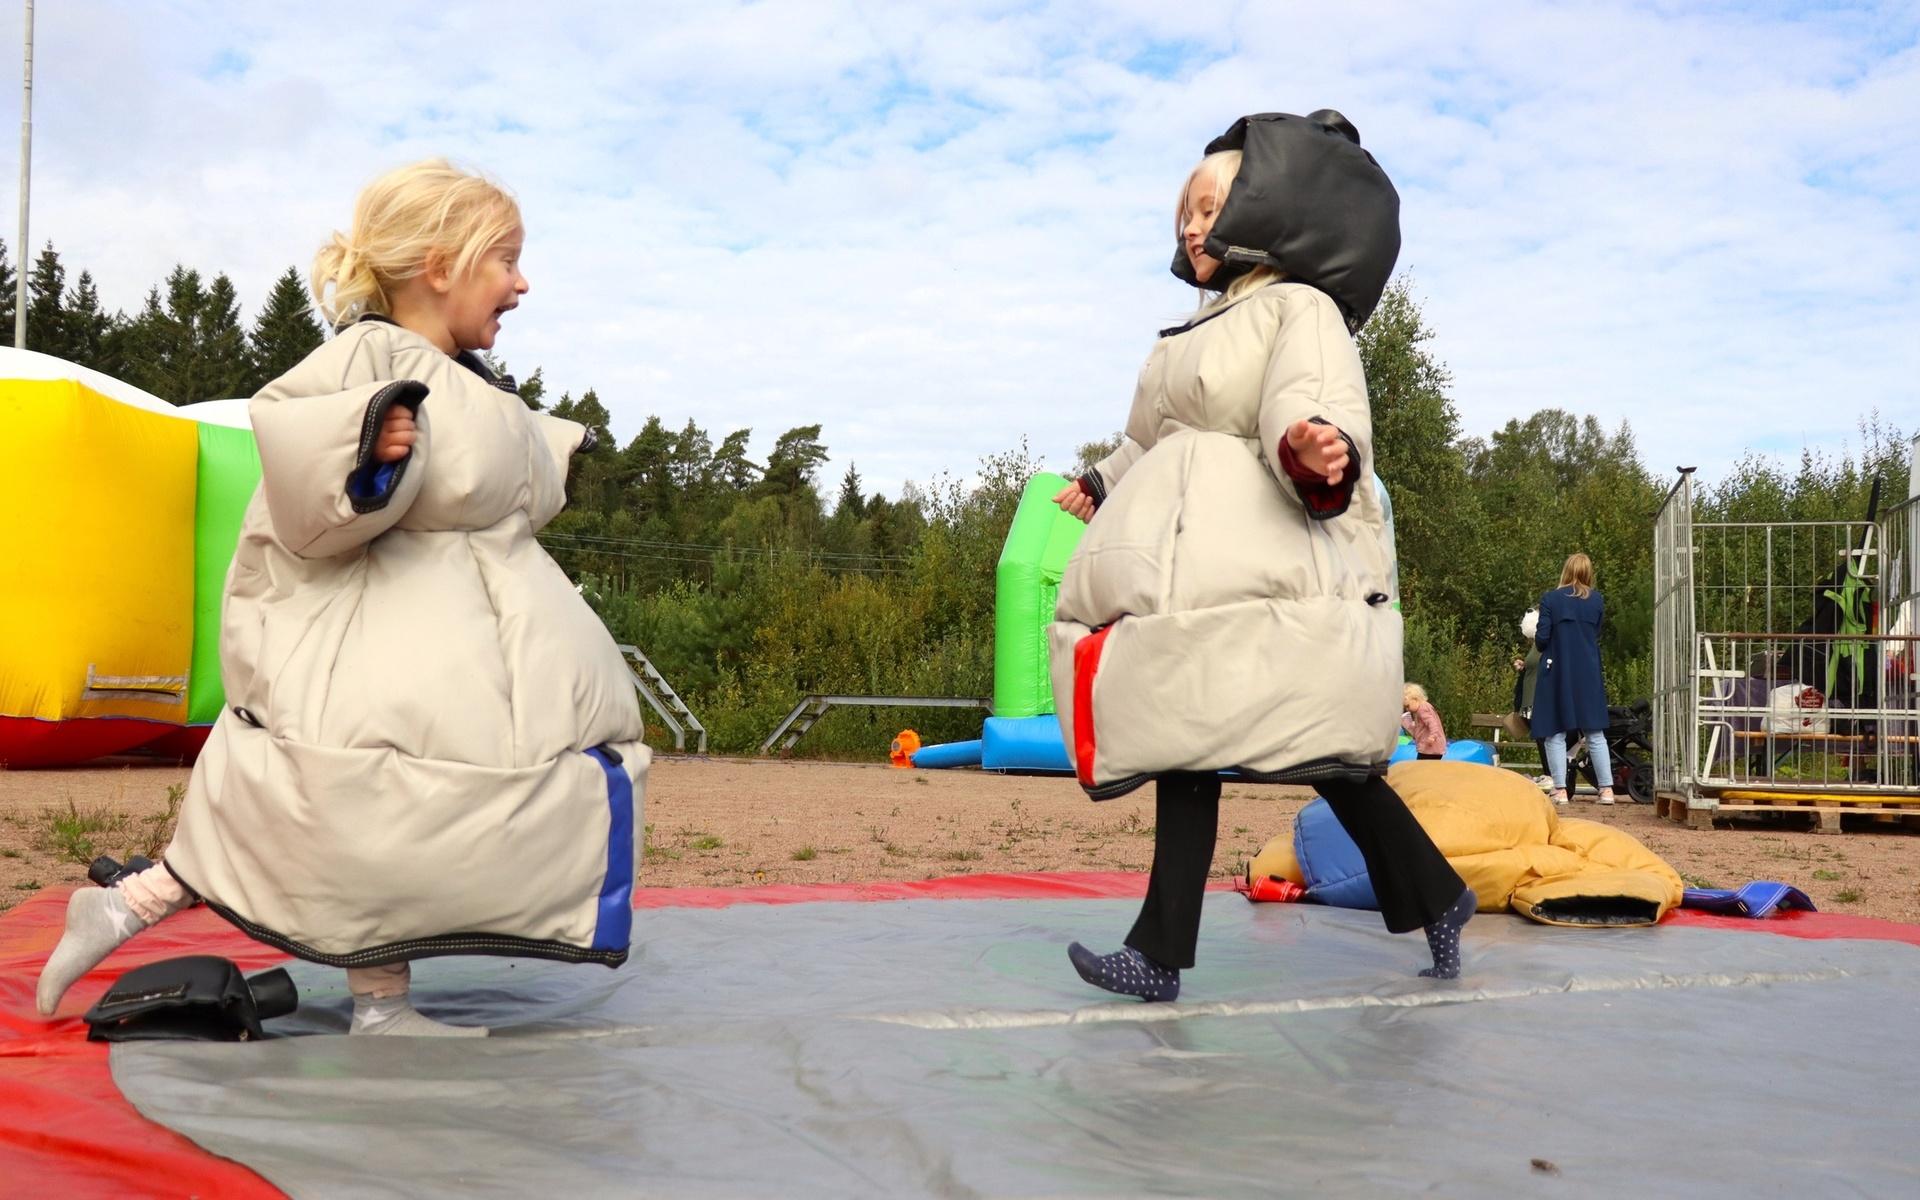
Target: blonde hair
{"type": "Point", "coordinates": [1413, 696]}
{"type": "Point", "coordinates": [1578, 574]}
{"type": "Point", "coordinates": [1220, 167]}
{"type": "Point", "coordinates": [401, 221]}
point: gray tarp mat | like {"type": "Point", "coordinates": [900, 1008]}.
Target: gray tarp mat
{"type": "Point", "coordinates": [945, 1048]}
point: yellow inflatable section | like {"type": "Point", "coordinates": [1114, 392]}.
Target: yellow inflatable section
{"type": "Point", "coordinates": [96, 570]}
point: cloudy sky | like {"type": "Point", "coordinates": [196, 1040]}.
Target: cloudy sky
{"type": "Point", "coordinates": [937, 229]}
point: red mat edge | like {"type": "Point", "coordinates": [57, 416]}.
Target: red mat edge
{"type": "Point", "coordinates": [66, 1130]}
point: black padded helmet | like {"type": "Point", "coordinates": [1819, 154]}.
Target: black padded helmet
{"type": "Point", "coordinates": [1309, 201]}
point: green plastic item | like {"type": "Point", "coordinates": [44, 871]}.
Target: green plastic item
{"type": "Point", "coordinates": [1026, 584]}
{"type": "Point", "coordinates": [229, 472]}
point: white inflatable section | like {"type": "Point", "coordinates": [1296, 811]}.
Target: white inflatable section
{"type": "Point", "coordinates": [31, 364]}
{"type": "Point", "coordinates": [231, 413]}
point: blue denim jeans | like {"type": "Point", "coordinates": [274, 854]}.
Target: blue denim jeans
{"type": "Point", "coordinates": [1556, 747]}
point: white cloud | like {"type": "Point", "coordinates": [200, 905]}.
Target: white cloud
{"type": "Point", "coordinates": [939, 230]}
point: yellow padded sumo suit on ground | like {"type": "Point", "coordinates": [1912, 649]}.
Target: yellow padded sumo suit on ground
{"type": "Point", "coordinates": [1516, 852]}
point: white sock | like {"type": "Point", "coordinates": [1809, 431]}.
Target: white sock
{"type": "Point", "coordinates": [396, 1016]}
{"type": "Point", "coordinates": [98, 922]}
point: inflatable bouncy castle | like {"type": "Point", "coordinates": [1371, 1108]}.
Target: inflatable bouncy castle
{"type": "Point", "coordinates": [121, 516]}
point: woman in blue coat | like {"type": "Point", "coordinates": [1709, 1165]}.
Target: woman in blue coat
{"type": "Point", "coordinates": [1570, 694]}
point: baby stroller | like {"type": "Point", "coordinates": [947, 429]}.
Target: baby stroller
{"type": "Point", "coordinates": [1630, 746]}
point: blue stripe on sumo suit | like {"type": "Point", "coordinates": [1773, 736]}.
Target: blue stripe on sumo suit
{"type": "Point", "coordinates": [615, 928]}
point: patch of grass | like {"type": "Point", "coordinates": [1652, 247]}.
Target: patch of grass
{"type": "Point", "coordinates": [1826, 876]}
{"type": "Point", "coordinates": [1020, 824]}
{"type": "Point", "coordinates": [1696, 881]}
{"type": "Point", "coordinates": [805, 854]}
{"type": "Point", "coordinates": [706, 841]}
{"type": "Point", "coordinates": [10, 852]}
{"type": "Point", "coordinates": [963, 856]}
{"type": "Point", "coordinates": [159, 826]}
{"type": "Point", "coordinates": [896, 851]}
{"type": "Point", "coordinates": [652, 853]}
{"type": "Point", "coordinates": [27, 885]}
{"type": "Point", "coordinates": [1239, 828]}
{"type": "Point", "coordinates": [1815, 767]}
{"type": "Point", "coordinates": [80, 835]}
{"type": "Point", "coordinates": [920, 779]}
{"type": "Point", "coordinates": [1848, 896]}
{"type": "Point", "coordinates": [77, 835]}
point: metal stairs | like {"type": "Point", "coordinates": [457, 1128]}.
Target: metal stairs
{"type": "Point", "coordinates": [660, 696]}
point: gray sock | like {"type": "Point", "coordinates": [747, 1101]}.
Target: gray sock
{"type": "Point", "coordinates": [98, 922]}
{"type": "Point", "coordinates": [395, 1016]}
{"type": "Point", "coordinates": [1443, 937]}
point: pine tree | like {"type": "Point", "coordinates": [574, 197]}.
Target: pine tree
{"type": "Point", "coordinates": [7, 294]}
{"type": "Point", "coordinates": [90, 329]}
{"type": "Point", "coordinates": [796, 455]}
{"type": "Point", "coordinates": [285, 332]}
{"type": "Point", "coordinates": [851, 502]}
{"type": "Point", "coordinates": [171, 340]}
{"type": "Point", "coordinates": [692, 461]}
{"type": "Point", "coordinates": [46, 305]}
{"type": "Point", "coordinates": [531, 390]}
{"type": "Point", "coordinates": [220, 346]}
{"type": "Point", "coordinates": [731, 468]}
{"type": "Point", "coordinates": [588, 411]}
{"type": "Point", "coordinates": [191, 349]}
{"type": "Point", "coordinates": [159, 350]}
{"type": "Point", "coordinates": [647, 466]}
{"type": "Point", "coordinates": [141, 345]}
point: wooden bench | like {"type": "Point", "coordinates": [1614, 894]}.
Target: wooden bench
{"type": "Point", "coordinates": [1528, 764]}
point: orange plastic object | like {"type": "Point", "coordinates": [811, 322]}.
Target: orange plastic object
{"type": "Point", "coordinates": [1271, 888]}
{"type": "Point", "coordinates": [900, 754]}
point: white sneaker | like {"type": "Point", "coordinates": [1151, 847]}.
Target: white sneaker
{"type": "Point", "coordinates": [1543, 782]}
{"type": "Point", "coordinates": [1605, 798]}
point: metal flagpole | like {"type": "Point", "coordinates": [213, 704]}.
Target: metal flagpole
{"type": "Point", "coordinates": [26, 164]}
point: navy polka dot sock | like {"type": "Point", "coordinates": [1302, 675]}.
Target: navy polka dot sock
{"type": "Point", "coordinates": [1443, 937]}
{"type": "Point", "coordinates": [1126, 971]}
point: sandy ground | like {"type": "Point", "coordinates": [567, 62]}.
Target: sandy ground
{"type": "Point", "coordinates": [732, 822]}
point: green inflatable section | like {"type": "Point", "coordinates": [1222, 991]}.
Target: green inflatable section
{"type": "Point", "coordinates": [229, 472]}
{"type": "Point", "coordinates": [1026, 584]}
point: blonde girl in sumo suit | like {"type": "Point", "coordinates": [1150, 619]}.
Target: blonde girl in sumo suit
{"type": "Point", "coordinates": [431, 744]}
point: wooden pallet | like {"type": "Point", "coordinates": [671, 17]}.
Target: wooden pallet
{"type": "Point", "coordinates": [1825, 813]}
{"type": "Point", "coordinates": [1674, 808]}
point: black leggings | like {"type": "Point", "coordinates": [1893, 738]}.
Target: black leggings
{"type": "Point", "coordinates": [1411, 878]}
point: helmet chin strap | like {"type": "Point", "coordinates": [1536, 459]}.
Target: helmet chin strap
{"type": "Point", "coordinates": [1224, 275]}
